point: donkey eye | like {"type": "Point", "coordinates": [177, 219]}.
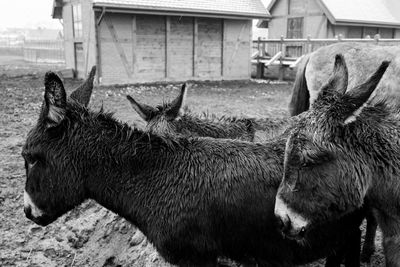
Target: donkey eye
{"type": "Point", "coordinates": [31, 160]}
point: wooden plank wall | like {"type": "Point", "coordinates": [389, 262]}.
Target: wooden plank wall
{"type": "Point", "coordinates": [147, 48]}
{"type": "Point", "coordinates": [209, 48]}
{"type": "Point", "coordinates": [150, 47]}
{"type": "Point", "coordinates": [180, 47]}
{"type": "Point", "coordinates": [237, 41]}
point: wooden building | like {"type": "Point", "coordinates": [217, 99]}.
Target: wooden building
{"type": "Point", "coordinates": [134, 41]}
{"type": "Point", "coordinates": [331, 18]}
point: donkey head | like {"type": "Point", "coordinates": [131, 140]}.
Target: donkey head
{"type": "Point", "coordinates": [160, 119]}
{"type": "Point", "coordinates": [323, 179]}
{"type": "Point", "coordinates": [53, 185]}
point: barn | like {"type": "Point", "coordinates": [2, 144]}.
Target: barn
{"type": "Point", "coordinates": [134, 41]}
{"type": "Point", "coordinates": [330, 18]}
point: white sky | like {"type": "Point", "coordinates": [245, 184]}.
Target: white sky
{"type": "Point", "coordinates": [27, 13]}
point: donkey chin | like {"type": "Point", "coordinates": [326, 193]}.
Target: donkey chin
{"type": "Point", "coordinates": [292, 225]}
{"type": "Point", "coordinates": [33, 213]}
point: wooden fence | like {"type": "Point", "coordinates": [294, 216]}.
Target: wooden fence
{"type": "Point", "coordinates": [288, 52]}
{"type": "Point", "coordinates": [45, 51]}
{"type": "Point", "coordinates": [294, 48]}
{"type": "Point", "coordinates": [49, 51]}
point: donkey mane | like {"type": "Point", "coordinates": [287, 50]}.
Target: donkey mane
{"type": "Point", "coordinates": [101, 120]}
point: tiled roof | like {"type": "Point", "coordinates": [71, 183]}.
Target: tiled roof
{"type": "Point", "coordinates": [369, 12]}
{"type": "Point", "coordinates": [383, 12]}
{"type": "Point", "coordinates": [242, 8]}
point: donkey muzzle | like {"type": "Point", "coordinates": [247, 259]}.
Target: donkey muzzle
{"type": "Point", "coordinates": [290, 223]}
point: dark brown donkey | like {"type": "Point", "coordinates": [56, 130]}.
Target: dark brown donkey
{"type": "Point", "coordinates": [170, 119]}
{"type": "Point", "coordinates": [339, 153]}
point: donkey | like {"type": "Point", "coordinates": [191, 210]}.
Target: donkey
{"type": "Point", "coordinates": [339, 153]}
{"type": "Point", "coordinates": [315, 70]}
{"type": "Point", "coordinates": [194, 198]}
{"type": "Point", "coordinates": [361, 58]}
{"type": "Point", "coordinates": [171, 119]}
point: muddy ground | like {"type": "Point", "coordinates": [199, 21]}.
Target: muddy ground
{"type": "Point", "coordinates": [91, 235]}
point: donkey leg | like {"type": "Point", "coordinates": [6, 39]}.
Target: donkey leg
{"type": "Point", "coordinates": [352, 258]}
{"type": "Point", "coordinates": [350, 253]}
{"type": "Point", "coordinates": [391, 246]}
{"type": "Point", "coordinates": [335, 260]}
{"type": "Point", "coordinates": [369, 242]}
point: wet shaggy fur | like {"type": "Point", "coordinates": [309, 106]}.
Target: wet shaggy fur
{"type": "Point", "coordinates": [194, 198]}
{"type": "Point", "coordinates": [361, 60]}
{"type": "Point", "coordinates": [170, 118]}
{"type": "Point", "coordinates": [342, 152]}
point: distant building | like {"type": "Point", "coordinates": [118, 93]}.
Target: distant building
{"type": "Point", "coordinates": [43, 34]}
{"type": "Point", "coordinates": [159, 40]}
{"type": "Point", "coordinates": [330, 18]}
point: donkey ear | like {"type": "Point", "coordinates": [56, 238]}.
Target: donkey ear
{"type": "Point", "coordinates": [145, 112]}
{"type": "Point", "coordinates": [338, 81]}
{"type": "Point", "coordinates": [177, 104]}
{"type": "Point", "coordinates": [54, 100]}
{"type": "Point", "coordinates": [358, 96]}
{"type": "Point", "coordinates": [83, 93]}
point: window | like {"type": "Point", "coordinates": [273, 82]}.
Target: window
{"type": "Point", "coordinates": [386, 32]}
{"type": "Point", "coordinates": [354, 32]}
{"type": "Point", "coordinates": [77, 20]}
{"type": "Point", "coordinates": [368, 31]}
{"type": "Point", "coordinates": [295, 28]}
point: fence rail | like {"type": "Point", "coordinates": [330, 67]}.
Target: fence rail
{"type": "Point", "coordinates": [294, 48]}
{"type": "Point", "coordinates": [49, 51]}
{"type": "Point", "coordinates": [289, 50]}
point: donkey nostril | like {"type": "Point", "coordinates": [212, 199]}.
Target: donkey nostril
{"type": "Point", "coordinates": [302, 232]}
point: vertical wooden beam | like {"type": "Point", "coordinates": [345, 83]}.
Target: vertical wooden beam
{"type": "Point", "coordinates": [167, 41]}
{"type": "Point", "coordinates": [195, 43]}
{"type": "Point", "coordinates": [134, 45]}
{"type": "Point", "coordinates": [91, 21]}
{"type": "Point", "coordinates": [97, 24]}
{"type": "Point", "coordinates": [281, 67]}
{"type": "Point", "coordinates": [250, 23]}
{"type": "Point", "coordinates": [222, 45]}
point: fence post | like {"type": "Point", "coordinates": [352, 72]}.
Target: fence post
{"type": "Point", "coordinates": [260, 65]}
{"type": "Point", "coordinates": [309, 46]}
{"type": "Point", "coordinates": [283, 54]}
{"type": "Point", "coordinates": [376, 38]}
{"type": "Point", "coordinates": [340, 37]}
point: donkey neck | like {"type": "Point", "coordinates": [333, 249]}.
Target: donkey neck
{"type": "Point", "coordinates": [231, 128]}
{"type": "Point", "coordinates": [373, 151]}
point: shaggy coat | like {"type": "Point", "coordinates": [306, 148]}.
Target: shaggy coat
{"type": "Point", "coordinates": [171, 119]}
{"type": "Point", "coordinates": [195, 199]}
{"type": "Point", "coordinates": [361, 59]}
{"type": "Point", "coordinates": [339, 153]}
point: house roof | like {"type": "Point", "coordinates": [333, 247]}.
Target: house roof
{"type": "Point", "coordinates": [231, 8]}
{"type": "Point", "coordinates": [376, 12]}
{"type": "Point", "coordinates": [359, 12]}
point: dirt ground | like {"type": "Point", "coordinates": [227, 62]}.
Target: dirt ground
{"type": "Point", "coordinates": [90, 235]}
